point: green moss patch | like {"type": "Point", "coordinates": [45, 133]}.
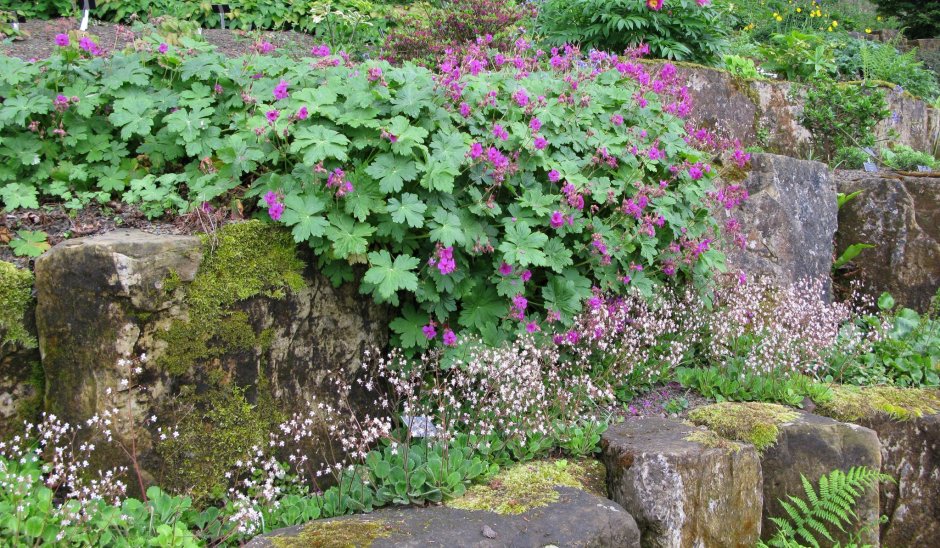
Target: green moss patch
{"type": "Point", "coordinates": [850, 403]}
{"type": "Point", "coordinates": [530, 485]}
{"type": "Point", "coordinates": [218, 429]}
{"type": "Point", "coordinates": [16, 294]}
{"type": "Point", "coordinates": [242, 260]}
{"type": "Point", "coordinates": [343, 533]}
{"type": "Point", "coordinates": [751, 422]}
{"type": "Point", "coordinates": [710, 439]}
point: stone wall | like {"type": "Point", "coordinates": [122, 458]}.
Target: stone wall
{"type": "Point", "coordinates": [237, 330]}
{"type": "Point", "coordinates": [900, 216]}
{"type": "Point", "coordinates": [767, 113]}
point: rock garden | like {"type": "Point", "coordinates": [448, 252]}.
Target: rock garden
{"type": "Point", "coordinates": [652, 273]}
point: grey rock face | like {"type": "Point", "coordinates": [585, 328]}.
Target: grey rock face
{"type": "Point", "coordinates": [900, 216]}
{"type": "Point", "coordinates": [813, 446]}
{"type": "Point", "coordinates": [789, 221]}
{"type": "Point", "coordinates": [576, 519]}
{"type": "Point", "coordinates": [681, 492]}
{"type": "Point", "coordinates": [910, 453]}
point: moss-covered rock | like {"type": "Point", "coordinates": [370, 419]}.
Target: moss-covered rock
{"type": "Point", "coordinates": [240, 332]}
{"type": "Point", "coordinates": [854, 404]}
{"type": "Point", "coordinates": [574, 518]}
{"type": "Point", "coordinates": [908, 425]}
{"type": "Point", "coordinates": [810, 446]}
{"type": "Point", "coordinates": [751, 422]}
{"type": "Point", "coordinates": [684, 485]}
{"type": "Point", "coordinates": [20, 385]}
{"type": "Point", "coordinates": [531, 485]}
{"type": "Point", "coordinates": [16, 297]}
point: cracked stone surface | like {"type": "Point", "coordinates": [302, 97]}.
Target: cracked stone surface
{"type": "Point", "coordinates": [900, 216]}
{"type": "Point", "coordinates": [789, 221]}
{"type": "Point", "coordinates": [683, 493]}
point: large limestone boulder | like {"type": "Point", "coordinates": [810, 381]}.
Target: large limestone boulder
{"type": "Point", "coordinates": [683, 487]}
{"type": "Point", "coordinates": [788, 220]}
{"type": "Point", "coordinates": [238, 332]}
{"type": "Point", "coordinates": [20, 376]}
{"type": "Point", "coordinates": [545, 513]}
{"type": "Point", "coordinates": [811, 446]}
{"type": "Point", "coordinates": [900, 216]}
{"type": "Point", "coordinates": [908, 425]}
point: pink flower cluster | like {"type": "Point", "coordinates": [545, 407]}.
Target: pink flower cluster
{"type": "Point", "coordinates": [275, 207]}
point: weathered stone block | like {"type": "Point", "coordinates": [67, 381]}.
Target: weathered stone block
{"type": "Point", "coordinates": [908, 425]}
{"type": "Point", "coordinates": [789, 221]}
{"type": "Point", "coordinates": [237, 318]}
{"type": "Point", "coordinates": [812, 446]}
{"type": "Point", "coordinates": [577, 518]}
{"type": "Point", "coordinates": [683, 492]}
{"type": "Point", "coordinates": [900, 216]}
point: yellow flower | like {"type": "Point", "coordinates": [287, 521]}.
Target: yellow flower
{"type": "Point", "coordinates": [879, 18]}
{"type": "Point", "coordinates": [867, 31]}
{"type": "Point", "coordinates": [778, 18]}
{"type": "Point", "coordinates": [835, 23]}
{"type": "Point", "coordinates": [799, 10]}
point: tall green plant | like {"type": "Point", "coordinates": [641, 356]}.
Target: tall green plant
{"type": "Point", "coordinates": [681, 29]}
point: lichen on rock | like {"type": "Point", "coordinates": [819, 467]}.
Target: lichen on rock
{"type": "Point", "coordinates": [854, 403]}
{"type": "Point", "coordinates": [750, 422]}
{"type": "Point", "coordinates": [16, 286]}
{"type": "Point", "coordinates": [532, 485]}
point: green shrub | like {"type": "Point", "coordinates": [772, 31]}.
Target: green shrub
{"type": "Point", "coordinates": [850, 158]}
{"type": "Point", "coordinates": [842, 115]}
{"type": "Point", "coordinates": [904, 158]}
{"type": "Point", "coordinates": [798, 56]}
{"type": "Point", "coordinates": [920, 18]}
{"type": "Point", "coordinates": [682, 29]}
{"type": "Point", "coordinates": [741, 67]}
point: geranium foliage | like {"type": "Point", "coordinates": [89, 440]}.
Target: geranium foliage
{"type": "Point", "coordinates": [488, 197]}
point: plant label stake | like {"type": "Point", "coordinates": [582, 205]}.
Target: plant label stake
{"type": "Point", "coordinates": [17, 19]}
{"type": "Point", "coordinates": [86, 6]}
{"type": "Point", "coordinates": [222, 9]}
{"type": "Point", "coordinates": [870, 167]}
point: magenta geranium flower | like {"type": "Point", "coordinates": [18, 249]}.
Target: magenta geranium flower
{"type": "Point", "coordinates": [62, 40]}
{"type": "Point", "coordinates": [280, 90]}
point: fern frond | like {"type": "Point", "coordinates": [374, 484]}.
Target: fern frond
{"type": "Point", "coordinates": [820, 512]}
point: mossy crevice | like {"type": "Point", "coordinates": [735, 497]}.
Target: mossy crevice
{"type": "Point", "coordinates": [750, 422]}
{"type": "Point", "coordinates": [851, 403]}
{"type": "Point", "coordinates": [359, 532]}
{"type": "Point", "coordinates": [522, 487]}
{"type": "Point", "coordinates": [16, 296]}
{"type": "Point", "coordinates": [241, 261]}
